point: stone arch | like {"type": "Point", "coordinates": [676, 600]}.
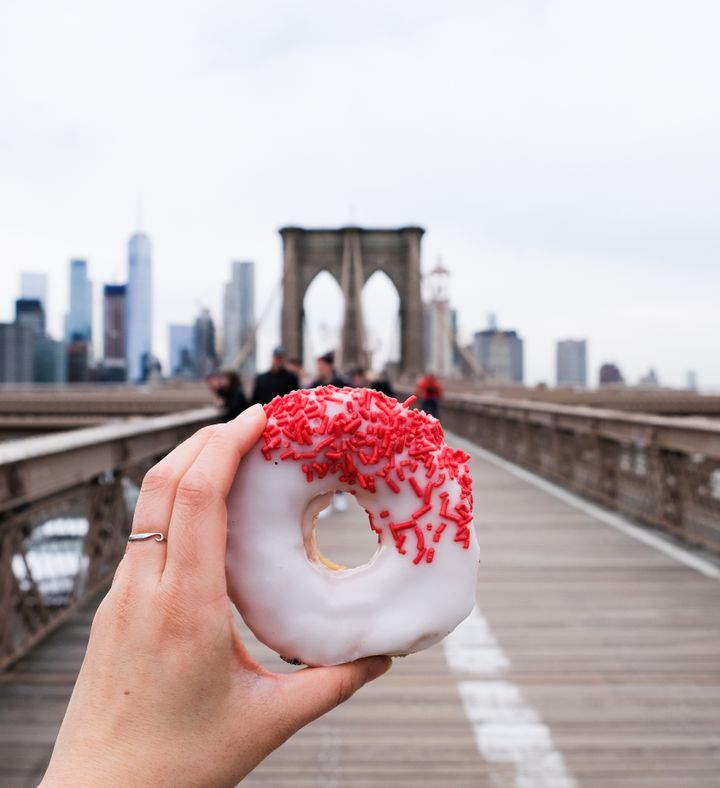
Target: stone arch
{"type": "Point", "coordinates": [313, 329]}
{"type": "Point", "coordinates": [352, 255]}
{"type": "Point", "coordinates": [381, 311]}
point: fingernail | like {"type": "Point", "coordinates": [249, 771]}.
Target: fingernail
{"type": "Point", "coordinates": [255, 410]}
{"type": "Point", "coordinates": [377, 666]}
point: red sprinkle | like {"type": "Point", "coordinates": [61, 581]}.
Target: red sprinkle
{"type": "Point", "coordinates": [391, 484]}
{"type": "Point", "coordinates": [361, 439]}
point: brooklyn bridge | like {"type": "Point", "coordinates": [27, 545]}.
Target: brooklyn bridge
{"type": "Point", "coordinates": [592, 657]}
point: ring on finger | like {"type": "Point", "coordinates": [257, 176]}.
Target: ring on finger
{"type": "Point", "coordinates": [156, 535]}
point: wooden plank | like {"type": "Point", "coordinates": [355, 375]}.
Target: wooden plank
{"type": "Point", "coordinates": [613, 645]}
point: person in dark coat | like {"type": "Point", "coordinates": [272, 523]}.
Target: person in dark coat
{"type": "Point", "coordinates": [277, 381]}
{"type": "Point", "coordinates": [231, 393]}
{"type": "Point", "coordinates": [327, 375]}
{"type": "Point", "coordinates": [382, 383]}
{"type": "Point", "coordinates": [358, 378]}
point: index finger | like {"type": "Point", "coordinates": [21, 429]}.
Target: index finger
{"type": "Point", "coordinates": [198, 524]}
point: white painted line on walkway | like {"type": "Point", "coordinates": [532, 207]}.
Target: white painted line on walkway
{"type": "Point", "coordinates": [608, 518]}
{"type": "Point", "coordinates": [471, 648]}
{"type": "Point", "coordinates": [505, 728]}
{"type": "Point", "coordinates": [508, 731]}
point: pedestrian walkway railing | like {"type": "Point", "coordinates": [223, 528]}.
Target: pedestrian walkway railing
{"type": "Point", "coordinates": [66, 504]}
{"type": "Point", "coordinates": [659, 470]}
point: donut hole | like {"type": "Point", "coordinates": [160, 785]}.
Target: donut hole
{"type": "Point", "coordinates": [341, 537]}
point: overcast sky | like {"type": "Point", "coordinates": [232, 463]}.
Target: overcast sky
{"type": "Point", "coordinates": [564, 157]}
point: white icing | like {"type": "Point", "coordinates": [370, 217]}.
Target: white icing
{"type": "Point", "coordinates": [302, 609]}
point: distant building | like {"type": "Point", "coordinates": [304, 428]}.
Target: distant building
{"type": "Point", "coordinates": [204, 344]}
{"type": "Point", "coordinates": [456, 356]}
{"type": "Point", "coordinates": [151, 368]}
{"type": "Point", "coordinates": [48, 355]}
{"type": "Point", "coordinates": [49, 360]}
{"type": "Point", "coordinates": [691, 380]}
{"type": "Point", "coordinates": [610, 375]}
{"type": "Point", "coordinates": [34, 285]}
{"type": "Point", "coordinates": [78, 323]}
{"type": "Point", "coordinates": [114, 331]}
{"type": "Point", "coordinates": [139, 307]}
{"type": "Point", "coordinates": [571, 362]}
{"type": "Point", "coordinates": [439, 326]}
{"type": "Point", "coordinates": [78, 369]}
{"type": "Point", "coordinates": [239, 318]}
{"type": "Point", "coordinates": [30, 312]}
{"type": "Point", "coordinates": [500, 353]}
{"type": "Point", "coordinates": [16, 353]}
{"type": "Point", "coordinates": [649, 380]}
{"type": "Point", "coordinates": [182, 347]}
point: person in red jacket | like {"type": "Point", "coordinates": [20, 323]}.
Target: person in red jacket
{"type": "Point", "coordinates": [429, 391]}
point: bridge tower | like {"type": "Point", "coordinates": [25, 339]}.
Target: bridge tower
{"type": "Point", "coordinates": [352, 255]}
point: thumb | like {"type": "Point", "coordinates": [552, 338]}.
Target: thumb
{"type": "Point", "coordinates": [312, 692]}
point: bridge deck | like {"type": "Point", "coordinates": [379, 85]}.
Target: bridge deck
{"type": "Point", "coordinates": [593, 660]}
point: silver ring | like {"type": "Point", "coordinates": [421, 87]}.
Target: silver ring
{"type": "Point", "coordinates": [142, 537]}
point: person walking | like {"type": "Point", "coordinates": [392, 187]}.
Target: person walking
{"type": "Point", "coordinates": [277, 381]}
{"type": "Point", "coordinates": [295, 366]}
{"type": "Point", "coordinates": [429, 391]}
{"type": "Point", "coordinates": [327, 375]}
{"type": "Point", "coordinates": [359, 378]}
{"type": "Point", "coordinates": [231, 394]}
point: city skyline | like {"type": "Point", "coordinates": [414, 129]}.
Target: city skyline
{"type": "Point", "coordinates": [162, 349]}
{"type": "Point", "coordinates": [564, 158]}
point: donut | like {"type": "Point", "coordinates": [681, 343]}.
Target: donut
{"type": "Point", "coordinates": [417, 492]}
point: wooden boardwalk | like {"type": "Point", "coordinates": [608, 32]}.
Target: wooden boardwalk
{"type": "Point", "coordinates": [593, 660]}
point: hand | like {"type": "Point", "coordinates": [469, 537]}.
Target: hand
{"type": "Point", "coordinates": [168, 694]}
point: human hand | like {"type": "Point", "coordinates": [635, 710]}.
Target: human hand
{"type": "Point", "coordinates": [167, 693]}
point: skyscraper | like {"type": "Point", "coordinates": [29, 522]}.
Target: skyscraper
{"type": "Point", "coordinates": [571, 362]}
{"type": "Point", "coordinates": [49, 360]}
{"type": "Point", "coordinates": [34, 285]}
{"type": "Point", "coordinates": [610, 374]}
{"type": "Point", "coordinates": [114, 329]}
{"type": "Point", "coordinates": [139, 306]}
{"type": "Point", "coordinates": [16, 353]}
{"type": "Point", "coordinates": [239, 318]}
{"type": "Point", "coordinates": [182, 345]}
{"type": "Point", "coordinates": [500, 353]}
{"type": "Point", "coordinates": [204, 344]}
{"type": "Point", "coordinates": [30, 312]}
{"type": "Point", "coordinates": [78, 325]}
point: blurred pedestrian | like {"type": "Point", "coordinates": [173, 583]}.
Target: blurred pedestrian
{"type": "Point", "coordinates": [277, 381]}
{"type": "Point", "coordinates": [382, 383]}
{"type": "Point", "coordinates": [212, 381]}
{"type": "Point", "coordinates": [327, 375]}
{"type": "Point", "coordinates": [231, 393]}
{"type": "Point", "coordinates": [359, 378]}
{"type": "Point", "coordinates": [295, 366]}
{"type": "Point", "coordinates": [429, 391]}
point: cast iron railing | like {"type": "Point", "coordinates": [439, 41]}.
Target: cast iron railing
{"type": "Point", "coordinates": [659, 470]}
{"type": "Point", "coordinates": [66, 504]}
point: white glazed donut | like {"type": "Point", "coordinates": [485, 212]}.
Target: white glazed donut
{"type": "Point", "coordinates": [420, 583]}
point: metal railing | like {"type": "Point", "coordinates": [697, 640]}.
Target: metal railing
{"type": "Point", "coordinates": [66, 504]}
{"type": "Point", "coordinates": [659, 470]}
